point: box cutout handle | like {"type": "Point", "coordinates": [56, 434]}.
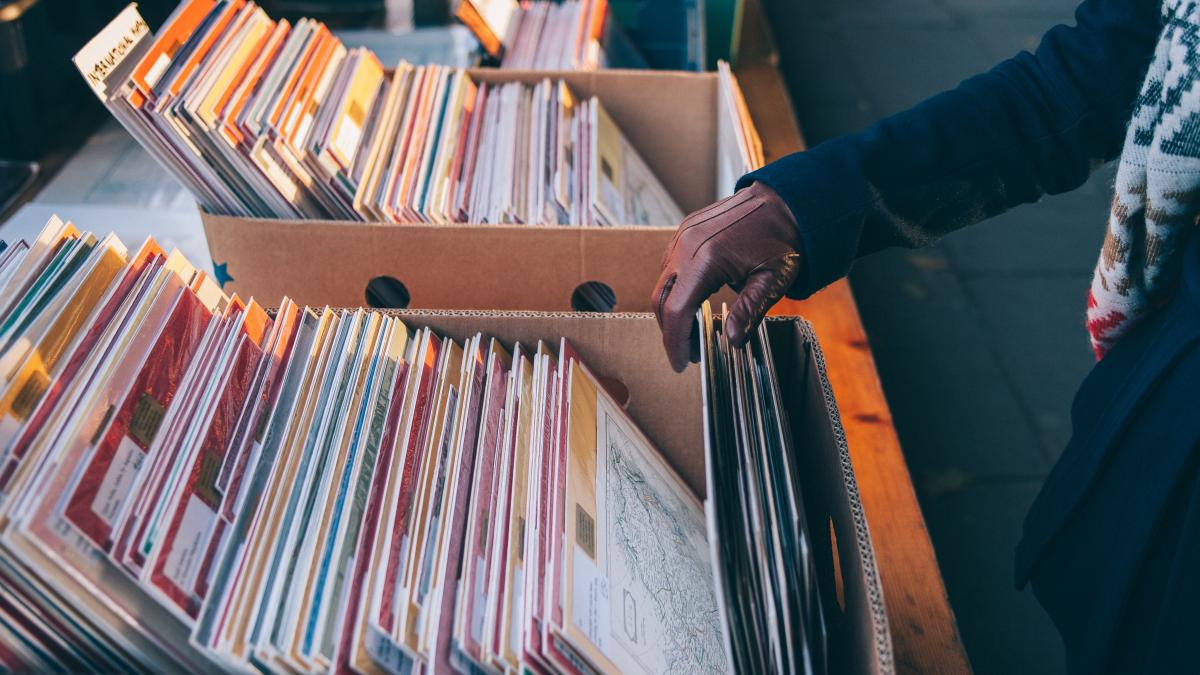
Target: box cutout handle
{"type": "Point", "coordinates": [615, 389]}
{"type": "Point", "coordinates": [593, 296]}
{"type": "Point", "coordinates": [384, 292]}
{"type": "Point", "coordinates": [839, 588]}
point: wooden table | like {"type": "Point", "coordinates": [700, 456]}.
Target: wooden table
{"type": "Point", "coordinates": [924, 633]}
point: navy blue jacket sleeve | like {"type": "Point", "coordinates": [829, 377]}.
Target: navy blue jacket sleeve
{"type": "Point", "coordinates": [1035, 124]}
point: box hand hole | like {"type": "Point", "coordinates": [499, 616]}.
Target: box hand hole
{"type": "Point", "coordinates": [385, 292]}
{"type": "Point", "coordinates": [616, 389]}
{"type": "Point", "coordinates": [839, 586]}
{"type": "Point", "coordinates": [593, 296]}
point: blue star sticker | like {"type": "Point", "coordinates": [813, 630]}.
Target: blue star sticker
{"type": "Point", "coordinates": [221, 272]}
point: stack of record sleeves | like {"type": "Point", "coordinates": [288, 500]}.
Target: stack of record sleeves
{"type": "Point", "coordinates": [191, 482]}
{"type": "Point", "coordinates": [553, 34]}
{"type": "Point", "coordinates": [766, 574]}
{"type": "Point", "coordinates": [261, 118]}
{"type": "Point", "coordinates": [539, 35]}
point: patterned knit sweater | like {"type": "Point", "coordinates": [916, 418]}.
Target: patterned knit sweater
{"type": "Point", "coordinates": [1156, 197]}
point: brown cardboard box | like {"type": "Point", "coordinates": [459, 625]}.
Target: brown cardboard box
{"type": "Point", "coordinates": [670, 117]}
{"type": "Point", "coordinates": [668, 408]}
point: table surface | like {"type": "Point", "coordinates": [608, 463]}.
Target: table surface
{"type": "Point", "coordinates": [924, 633]}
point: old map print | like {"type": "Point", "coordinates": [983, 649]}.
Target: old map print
{"type": "Point", "coordinates": [663, 608]}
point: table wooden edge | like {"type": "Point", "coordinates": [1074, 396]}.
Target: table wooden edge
{"type": "Point", "coordinates": [925, 635]}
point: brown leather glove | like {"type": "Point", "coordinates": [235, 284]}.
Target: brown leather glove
{"type": "Point", "coordinates": [748, 241]}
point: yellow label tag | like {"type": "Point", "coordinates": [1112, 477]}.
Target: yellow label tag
{"type": "Point", "coordinates": [147, 416]}
{"type": "Point", "coordinates": [585, 531]}
{"type": "Point", "coordinates": [30, 393]}
{"type": "Point", "coordinates": [206, 481]}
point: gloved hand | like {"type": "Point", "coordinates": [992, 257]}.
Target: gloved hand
{"type": "Point", "coordinates": [748, 241]}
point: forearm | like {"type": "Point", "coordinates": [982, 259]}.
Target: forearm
{"type": "Point", "coordinates": [1035, 124]}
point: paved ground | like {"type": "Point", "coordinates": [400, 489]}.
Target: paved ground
{"type": "Point", "coordinates": [979, 340]}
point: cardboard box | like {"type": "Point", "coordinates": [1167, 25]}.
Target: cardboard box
{"type": "Point", "coordinates": [623, 349]}
{"type": "Point", "coordinates": [670, 117]}
{"type": "Point", "coordinates": [668, 408]}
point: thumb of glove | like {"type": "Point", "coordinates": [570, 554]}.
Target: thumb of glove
{"type": "Point", "coordinates": [764, 286]}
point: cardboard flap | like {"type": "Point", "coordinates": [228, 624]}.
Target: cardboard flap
{"type": "Point", "coordinates": [462, 267]}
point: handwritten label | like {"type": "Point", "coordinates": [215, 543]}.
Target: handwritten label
{"type": "Point", "coordinates": [190, 544]}
{"type": "Point", "coordinates": [103, 53]}
{"type": "Point", "coordinates": [118, 480]}
{"type": "Point", "coordinates": [347, 138]}
{"type": "Point", "coordinates": [590, 610]}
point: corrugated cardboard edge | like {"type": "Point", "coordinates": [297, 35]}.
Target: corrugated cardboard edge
{"type": "Point", "coordinates": [879, 619]}
{"type": "Point", "coordinates": [461, 266]}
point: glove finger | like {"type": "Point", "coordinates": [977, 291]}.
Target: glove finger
{"type": "Point", "coordinates": [677, 311]}
{"type": "Point", "coordinates": [761, 289]}
{"type": "Point", "coordinates": [658, 296]}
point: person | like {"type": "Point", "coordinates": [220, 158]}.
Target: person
{"type": "Point", "coordinates": [1111, 545]}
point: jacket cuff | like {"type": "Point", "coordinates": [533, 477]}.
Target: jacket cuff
{"type": "Point", "coordinates": [823, 264]}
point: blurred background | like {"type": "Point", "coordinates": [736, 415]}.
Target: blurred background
{"type": "Point", "coordinates": [979, 340]}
